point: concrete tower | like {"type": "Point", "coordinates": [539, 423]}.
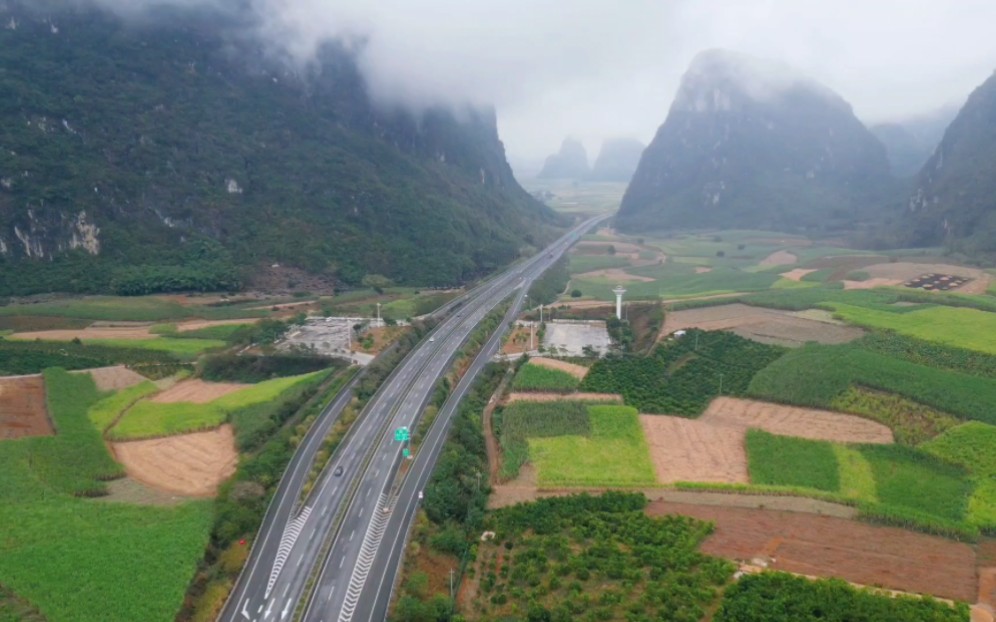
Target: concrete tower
{"type": "Point", "coordinates": [619, 291]}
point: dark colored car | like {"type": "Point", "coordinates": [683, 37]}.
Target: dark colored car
{"type": "Point", "coordinates": [338, 471]}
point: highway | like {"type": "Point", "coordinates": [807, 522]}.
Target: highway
{"type": "Point", "coordinates": [340, 525]}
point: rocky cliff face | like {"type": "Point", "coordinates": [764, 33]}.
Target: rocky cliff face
{"type": "Point", "coordinates": [954, 200]}
{"type": "Point", "coordinates": [749, 143]}
{"type": "Point", "coordinates": [571, 162]}
{"type": "Point", "coordinates": [910, 142]}
{"type": "Point", "coordinates": [617, 160]}
{"type": "Point", "coordinates": [125, 144]}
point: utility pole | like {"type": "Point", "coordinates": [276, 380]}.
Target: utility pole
{"type": "Point", "coordinates": [720, 383]}
{"type": "Point", "coordinates": [378, 314]}
{"type": "Point", "coordinates": [451, 584]}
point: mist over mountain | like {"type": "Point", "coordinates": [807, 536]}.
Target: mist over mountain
{"type": "Point", "coordinates": [954, 200]}
{"type": "Point", "coordinates": [172, 152]}
{"type": "Point", "coordinates": [751, 143]}
{"type": "Point", "coordinates": [909, 143]}
{"type": "Point", "coordinates": [617, 160]}
{"type": "Point", "coordinates": [571, 162]}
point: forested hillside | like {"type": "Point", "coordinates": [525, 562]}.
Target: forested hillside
{"type": "Point", "coordinates": [172, 152]}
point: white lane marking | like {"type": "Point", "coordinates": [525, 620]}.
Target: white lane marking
{"type": "Point", "coordinates": [269, 609]}
{"type": "Point", "coordinates": [371, 540]}
{"type": "Point", "coordinates": [283, 614]}
{"type": "Point", "coordinates": [291, 532]}
{"type": "Point", "coordinates": [361, 512]}
{"type": "Point", "coordinates": [245, 609]}
{"type": "Point", "coordinates": [351, 534]}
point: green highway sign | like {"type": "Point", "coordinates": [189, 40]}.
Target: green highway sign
{"type": "Point", "coordinates": [401, 434]}
{"type": "Point", "coordinates": [405, 452]}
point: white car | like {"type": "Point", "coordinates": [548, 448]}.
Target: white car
{"type": "Point", "coordinates": [432, 339]}
{"type": "Point", "coordinates": [420, 495]}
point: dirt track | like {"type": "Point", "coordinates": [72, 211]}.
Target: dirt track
{"type": "Point", "coordinates": [197, 391]}
{"type": "Point", "coordinates": [615, 274]}
{"type": "Point", "coordinates": [797, 274]}
{"type": "Point", "coordinates": [131, 331]}
{"type": "Point", "coordinates": [779, 258]}
{"type": "Point", "coordinates": [808, 423]}
{"type": "Point", "coordinates": [22, 407]}
{"type": "Point", "coordinates": [188, 464]}
{"type": "Point", "coordinates": [833, 547]}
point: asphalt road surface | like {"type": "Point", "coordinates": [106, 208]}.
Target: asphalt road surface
{"type": "Point", "coordinates": [340, 527]}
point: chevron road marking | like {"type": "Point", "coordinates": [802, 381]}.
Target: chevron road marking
{"type": "Point", "coordinates": [291, 532]}
{"type": "Point", "coordinates": [371, 540]}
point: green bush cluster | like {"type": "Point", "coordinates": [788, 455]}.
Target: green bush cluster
{"type": "Point", "coordinates": [682, 376]}
{"type": "Point", "coordinates": [599, 558]}
{"type": "Point", "coordinates": [782, 597]}
{"type": "Point", "coordinates": [519, 421]}
{"type": "Point", "coordinates": [31, 357]}
{"type": "Point", "coordinates": [253, 368]}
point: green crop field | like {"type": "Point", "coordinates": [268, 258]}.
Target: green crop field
{"type": "Point", "coordinates": [857, 480]}
{"type": "Point", "coordinates": [973, 446]}
{"type": "Point", "coordinates": [682, 376]}
{"type": "Point", "coordinates": [182, 348]}
{"type": "Point", "coordinates": [814, 375]}
{"type": "Point", "coordinates": [676, 280]}
{"type": "Point", "coordinates": [579, 264]}
{"type": "Point", "coordinates": [128, 308]}
{"type": "Point", "coordinates": [911, 423]}
{"type": "Point", "coordinates": [519, 421]}
{"type": "Point", "coordinates": [908, 478]}
{"type": "Point", "coordinates": [616, 453]}
{"type": "Point", "coordinates": [147, 419]}
{"type": "Point", "coordinates": [970, 329]}
{"type": "Point", "coordinates": [782, 597]}
{"type": "Point", "coordinates": [788, 461]}
{"type": "Point", "coordinates": [105, 412]}
{"type": "Point", "coordinates": [31, 357]}
{"type": "Point", "coordinates": [533, 377]}
{"type": "Point", "coordinates": [79, 559]}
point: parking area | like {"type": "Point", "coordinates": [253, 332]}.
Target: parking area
{"type": "Point", "coordinates": [570, 337]}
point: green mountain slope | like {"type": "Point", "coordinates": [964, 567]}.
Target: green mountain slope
{"type": "Point", "coordinates": [749, 143]}
{"type": "Point", "coordinates": [955, 197]}
{"type": "Point", "coordinates": [173, 153]}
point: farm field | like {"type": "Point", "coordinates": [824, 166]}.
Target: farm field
{"type": "Point", "coordinates": [773, 326]}
{"type": "Point", "coordinates": [539, 396]}
{"type": "Point", "coordinates": [689, 450]}
{"type": "Point", "coordinates": [22, 408]}
{"type": "Point", "coordinates": [188, 464]}
{"type": "Point", "coordinates": [615, 453]}
{"type": "Point", "coordinates": [578, 371]}
{"type": "Point", "coordinates": [970, 329]}
{"type": "Point", "coordinates": [816, 375]}
{"type": "Point", "coordinates": [135, 309]}
{"type": "Point", "coordinates": [192, 328]}
{"type": "Point", "coordinates": [538, 377]}
{"type": "Point", "coordinates": [795, 421]}
{"type": "Point", "coordinates": [114, 377]}
{"type": "Point", "coordinates": [196, 391]}
{"type": "Point", "coordinates": [146, 555]}
{"type": "Point", "coordinates": [148, 419]}
{"type": "Point", "coordinates": [825, 546]}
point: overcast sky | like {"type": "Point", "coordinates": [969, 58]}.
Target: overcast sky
{"type": "Point", "coordinates": [601, 68]}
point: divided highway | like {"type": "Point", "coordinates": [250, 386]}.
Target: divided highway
{"type": "Point", "coordinates": [340, 526]}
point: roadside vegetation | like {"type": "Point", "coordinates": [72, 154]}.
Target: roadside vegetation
{"type": "Point", "coordinates": [31, 357]}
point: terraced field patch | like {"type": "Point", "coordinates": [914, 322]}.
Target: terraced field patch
{"type": "Point", "coordinates": [689, 450]}
{"type": "Point", "coordinates": [188, 464]}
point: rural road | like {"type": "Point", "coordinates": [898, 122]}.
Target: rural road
{"type": "Point", "coordinates": [353, 524]}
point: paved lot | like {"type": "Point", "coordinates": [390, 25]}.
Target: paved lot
{"type": "Point", "coordinates": [570, 337]}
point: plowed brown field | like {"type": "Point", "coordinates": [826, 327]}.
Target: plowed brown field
{"type": "Point", "coordinates": [833, 547]}
{"type": "Point", "coordinates": [113, 378]}
{"type": "Point", "coordinates": [22, 407]}
{"type": "Point", "coordinates": [197, 391]}
{"type": "Point", "coordinates": [763, 325]}
{"type": "Point", "coordinates": [809, 423]}
{"type": "Point", "coordinates": [688, 450]}
{"type": "Point", "coordinates": [188, 464]}
{"type": "Point", "coordinates": [779, 258]}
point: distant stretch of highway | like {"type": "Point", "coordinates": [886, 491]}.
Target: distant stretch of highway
{"type": "Point", "coordinates": [334, 554]}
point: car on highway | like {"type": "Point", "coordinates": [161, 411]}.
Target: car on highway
{"type": "Point", "coordinates": [432, 338]}
{"type": "Point", "coordinates": [338, 471]}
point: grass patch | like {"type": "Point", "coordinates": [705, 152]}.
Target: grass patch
{"type": "Point", "coordinates": [915, 480]}
{"type": "Point", "coordinates": [106, 411]}
{"type": "Point", "coordinates": [970, 329]}
{"type": "Point", "coordinates": [579, 264]}
{"type": "Point", "coordinates": [784, 283]}
{"type": "Point", "coordinates": [789, 461]}
{"type": "Point", "coordinates": [682, 376]}
{"type": "Point", "coordinates": [973, 446]}
{"type": "Point", "coordinates": [533, 377]}
{"type": "Point", "coordinates": [127, 308]}
{"type": "Point", "coordinates": [181, 348]}
{"type": "Point", "coordinates": [31, 357]}
{"type": "Point", "coordinates": [616, 453]}
{"type": "Point", "coordinates": [857, 481]}
{"type": "Point", "coordinates": [911, 423]}
{"type": "Point", "coordinates": [676, 280]}
{"type": "Point", "coordinates": [60, 549]}
{"type": "Point", "coordinates": [149, 419]}
{"type": "Point", "coordinates": [814, 375]}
